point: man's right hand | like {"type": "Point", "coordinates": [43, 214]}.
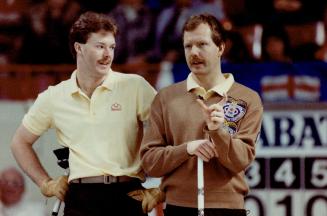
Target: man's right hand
{"type": "Point", "coordinates": [204, 149]}
{"type": "Point", "coordinates": [150, 198]}
{"type": "Point", "coordinates": [55, 187]}
{"type": "Point", "coordinates": [214, 114]}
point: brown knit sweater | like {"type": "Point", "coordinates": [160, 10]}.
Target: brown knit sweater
{"type": "Point", "coordinates": [176, 118]}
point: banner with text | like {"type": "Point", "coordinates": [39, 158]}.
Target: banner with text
{"type": "Point", "coordinates": [289, 175]}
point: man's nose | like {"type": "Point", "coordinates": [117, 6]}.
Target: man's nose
{"type": "Point", "coordinates": [194, 50]}
{"type": "Point", "coordinates": [106, 52]}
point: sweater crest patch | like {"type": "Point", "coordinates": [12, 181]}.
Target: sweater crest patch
{"type": "Point", "coordinates": [234, 110]}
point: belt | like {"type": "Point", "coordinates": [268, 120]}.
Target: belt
{"type": "Point", "coordinates": [105, 179]}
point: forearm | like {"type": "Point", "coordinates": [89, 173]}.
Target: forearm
{"type": "Point", "coordinates": [233, 153]}
{"type": "Point", "coordinates": [28, 161]}
{"type": "Point", "coordinates": [157, 161]}
{"type": "Point", "coordinates": [237, 151]}
{"type": "Point", "coordinates": [26, 157]}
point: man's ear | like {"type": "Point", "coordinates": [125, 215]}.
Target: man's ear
{"type": "Point", "coordinates": [221, 49]}
{"type": "Point", "coordinates": [77, 47]}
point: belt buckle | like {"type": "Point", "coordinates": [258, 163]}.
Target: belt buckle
{"type": "Point", "coordinates": [108, 179]}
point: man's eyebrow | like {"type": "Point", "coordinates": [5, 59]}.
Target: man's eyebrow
{"type": "Point", "coordinates": [103, 43]}
{"type": "Point", "coordinates": [188, 43]}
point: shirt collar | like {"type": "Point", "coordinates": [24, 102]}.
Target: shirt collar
{"type": "Point", "coordinates": [73, 83]}
{"type": "Point", "coordinates": [221, 88]}
{"type": "Point", "coordinates": [111, 78]}
{"type": "Point", "coordinates": [107, 83]}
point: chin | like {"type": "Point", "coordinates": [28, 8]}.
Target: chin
{"type": "Point", "coordinates": [103, 70]}
{"type": "Point", "coordinates": [199, 72]}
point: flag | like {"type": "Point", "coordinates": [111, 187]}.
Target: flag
{"type": "Point", "coordinates": [288, 87]}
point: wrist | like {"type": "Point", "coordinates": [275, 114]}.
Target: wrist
{"type": "Point", "coordinates": [211, 128]}
{"type": "Point", "coordinates": [188, 150]}
{"type": "Point", "coordinates": [44, 187]}
{"type": "Point", "coordinates": [215, 128]}
{"type": "Point", "coordinates": [44, 181]}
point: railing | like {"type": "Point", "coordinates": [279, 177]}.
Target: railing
{"type": "Point", "coordinates": [23, 82]}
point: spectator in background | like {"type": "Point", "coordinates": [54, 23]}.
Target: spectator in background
{"type": "Point", "coordinates": [213, 7]}
{"type": "Point", "coordinates": [13, 188]}
{"type": "Point", "coordinates": [100, 6]}
{"type": "Point", "coordinates": [134, 38]}
{"type": "Point", "coordinates": [245, 12]}
{"type": "Point", "coordinates": [157, 5]}
{"type": "Point", "coordinates": [297, 11]}
{"type": "Point", "coordinates": [301, 13]}
{"type": "Point", "coordinates": [47, 32]}
{"type": "Point", "coordinates": [235, 49]}
{"type": "Point", "coordinates": [168, 42]}
{"type": "Point", "coordinates": [11, 28]}
{"type": "Point", "coordinates": [275, 45]}
{"type": "Point", "coordinates": [321, 52]}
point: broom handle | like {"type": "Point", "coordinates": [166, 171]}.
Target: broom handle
{"type": "Point", "coordinates": [200, 188]}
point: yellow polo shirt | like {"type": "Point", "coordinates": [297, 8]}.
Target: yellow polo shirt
{"type": "Point", "coordinates": [220, 89]}
{"type": "Point", "coordinates": [102, 131]}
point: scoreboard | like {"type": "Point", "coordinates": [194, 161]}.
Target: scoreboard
{"type": "Point", "coordinates": [289, 174]}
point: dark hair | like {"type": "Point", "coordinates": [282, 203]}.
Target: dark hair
{"type": "Point", "coordinates": [278, 32]}
{"type": "Point", "coordinates": [218, 34]}
{"type": "Point", "coordinates": [87, 23]}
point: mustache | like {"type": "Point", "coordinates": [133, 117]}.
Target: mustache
{"type": "Point", "coordinates": [195, 59]}
{"type": "Point", "coordinates": [104, 61]}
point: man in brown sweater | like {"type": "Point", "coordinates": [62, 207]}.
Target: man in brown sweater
{"type": "Point", "coordinates": [221, 128]}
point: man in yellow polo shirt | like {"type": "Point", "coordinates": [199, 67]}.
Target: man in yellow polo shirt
{"type": "Point", "coordinates": [98, 115]}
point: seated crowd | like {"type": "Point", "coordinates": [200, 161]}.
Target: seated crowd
{"type": "Point", "coordinates": [35, 31]}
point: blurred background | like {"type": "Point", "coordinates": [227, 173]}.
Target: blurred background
{"type": "Point", "coordinates": [276, 47]}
